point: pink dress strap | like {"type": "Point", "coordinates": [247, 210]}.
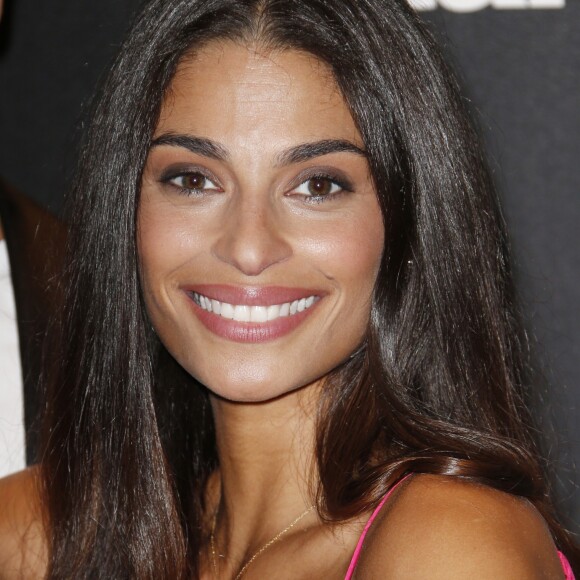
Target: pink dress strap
{"type": "Point", "coordinates": [358, 549]}
{"type": "Point", "coordinates": [568, 573]}
{"type": "Point", "coordinates": [567, 569]}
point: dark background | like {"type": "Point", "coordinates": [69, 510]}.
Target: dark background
{"type": "Point", "coordinates": [521, 72]}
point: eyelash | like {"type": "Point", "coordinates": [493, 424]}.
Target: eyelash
{"type": "Point", "coordinates": [342, 184]}
{"type": "Point", "coordinates": [170, 180]}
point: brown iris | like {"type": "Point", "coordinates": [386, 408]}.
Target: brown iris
{"type": "Point", "coordinates": [194, 181]}
{"type": "Point", "coordinates": [319, 186]}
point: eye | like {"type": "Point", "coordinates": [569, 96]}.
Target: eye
{"type": "Point", "coordinates": [193, 181]}
{"type": "Point", "coordinates": [320, 187]}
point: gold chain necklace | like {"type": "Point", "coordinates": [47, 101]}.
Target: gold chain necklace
{"type": "Point", "coordinates": [269, 543]}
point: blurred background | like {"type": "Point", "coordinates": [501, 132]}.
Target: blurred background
{"type": "Point", "coordinates": [519, 63]}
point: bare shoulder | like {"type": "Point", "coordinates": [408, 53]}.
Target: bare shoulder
{"type": "Point", "coordinates": [22, 538]}
{"type": "Point", "coordinates": [437, 527]}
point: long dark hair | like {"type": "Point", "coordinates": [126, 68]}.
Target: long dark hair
{"type": "Point", "coordinates": [438, 386]}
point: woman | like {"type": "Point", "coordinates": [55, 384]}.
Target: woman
{"type": "Point", "coordinates": [290, 346]}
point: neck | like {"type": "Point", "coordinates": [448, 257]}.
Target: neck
{"type": "Point", "coordinates": [266, 453]}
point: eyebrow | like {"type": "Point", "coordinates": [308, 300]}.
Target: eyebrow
{"type": "Point", "coordinates": [199, 145]}
{"type": "Point", "coordinates": [297, 154]}
{"type": "Point", "coordinates": [307, 151]}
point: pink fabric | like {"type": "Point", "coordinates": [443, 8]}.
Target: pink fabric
{"type": "Point", "coordinates": [568, 573]}
{"type": "Point", "coordinates": [361, 540]}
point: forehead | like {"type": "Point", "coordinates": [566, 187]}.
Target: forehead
{"type": "Point", "coordinates": [253, 97]}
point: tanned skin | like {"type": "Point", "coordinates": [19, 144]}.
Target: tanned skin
{"type": "Point", "coordinates": [262, 103]}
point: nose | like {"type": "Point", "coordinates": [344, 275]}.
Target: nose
{"type": "Point", "coordinates": [251, 239]}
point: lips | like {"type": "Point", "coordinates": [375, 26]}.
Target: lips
{"type": "Point", "coordinates": [257, 313]}
{"type": "Point", "coordinates": [251, 314]}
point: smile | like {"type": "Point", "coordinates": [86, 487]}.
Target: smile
{"type": "Point", "coordinates": [252, 314]}
{"type": "Point", "coordinates": [256, 313]}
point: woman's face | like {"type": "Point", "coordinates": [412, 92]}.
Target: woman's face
{"type": "Point", "coordinates": [257, 203]}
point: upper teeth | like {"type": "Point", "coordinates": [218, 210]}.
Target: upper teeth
{"type": "Point", "coordinates": [244, 313]}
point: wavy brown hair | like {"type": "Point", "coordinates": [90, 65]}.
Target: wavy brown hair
{"type": "Point", "coordinates": [439, 385]}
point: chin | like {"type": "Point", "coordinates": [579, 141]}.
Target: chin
{"type": "Point", "coordinates": [254, 389]}
{"type": "Point", "coordinates": [249, 392]}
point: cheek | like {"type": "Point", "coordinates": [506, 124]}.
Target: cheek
{"type": "Point", "coordinates": [163, 247]}
{"type": "Point", "coordinates": [349, 255]}
{"type": "Point", "coordinates": [165, 242]}
{"type": "Point", "coordinates": [350, 252]}
{"type": "Point", "coordinates": [152, 247]}
{"type": "Point", "coordinates": [161, 251]}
